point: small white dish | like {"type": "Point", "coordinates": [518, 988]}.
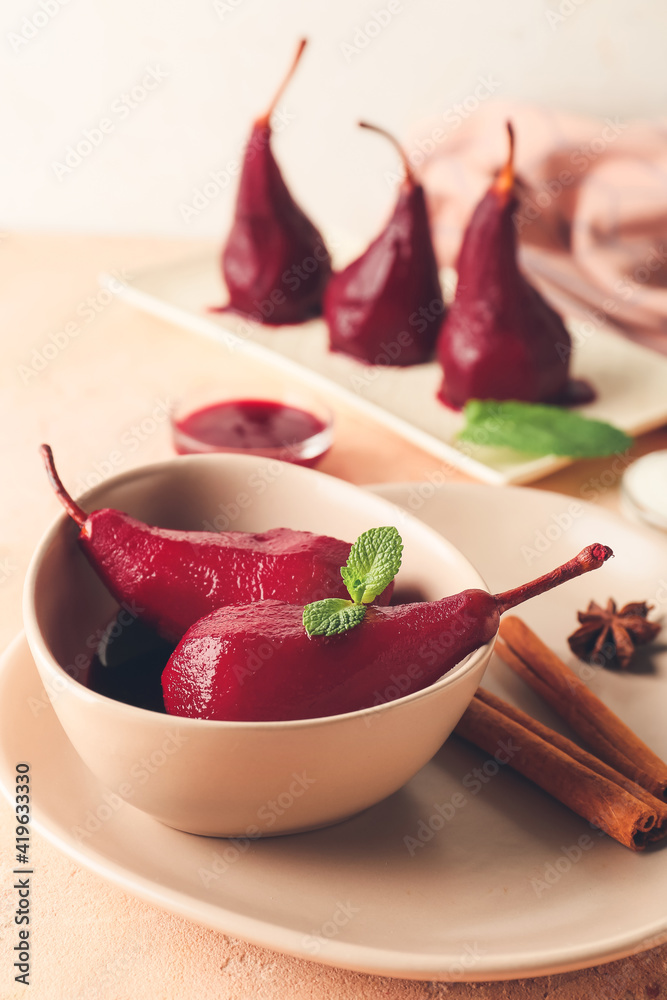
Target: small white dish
{"type": "Point", "coordinates": [629, 379]}
{"type": "Point", "coordinates": [307, 449]}
{"type": "Point", "coordinates": [644, 490]}
{"type": "Point", "coordinates": [240, 778]}
{"type": "Point", "coordinates": [497, 891]}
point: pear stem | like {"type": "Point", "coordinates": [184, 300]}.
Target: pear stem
{"type": "Point", "coordinates": [592, 557]}
{"type": "Point", "coordinates": [72, 508]}
{"type": "Point", "coordinates": [410, 177]}
{"type": "Point", "coordinates": [266, 117]}
{"type": "Point", "coordinates": [505, 179]}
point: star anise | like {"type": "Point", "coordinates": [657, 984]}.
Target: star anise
{"type": "Point", "coordinates": [609, 637]}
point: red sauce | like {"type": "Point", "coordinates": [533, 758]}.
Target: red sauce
{"type": "Point", "coordinates": [255, 425]}
{"type": "Point", "coordinates": [578, 392]}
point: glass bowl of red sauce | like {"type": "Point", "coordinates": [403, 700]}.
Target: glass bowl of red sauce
{"type": "Point", "coordinates": [285, 424]}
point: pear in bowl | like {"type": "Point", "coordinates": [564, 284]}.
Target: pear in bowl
{"type": "Point", "coordinates": [243, 778]}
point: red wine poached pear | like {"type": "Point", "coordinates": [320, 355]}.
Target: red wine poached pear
{"type": "Point", "coordinates": [175, 577]}
{"type": "Point", "coordinates": [501, 339]}
{"type": "Point", "coordinates": [256, 662]}
{"type": "Point", "coordinates": [275, 263]}
{"type": "Point", "coordinates": [386, 307]}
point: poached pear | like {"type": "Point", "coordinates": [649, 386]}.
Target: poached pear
{"type": "Point", "coordinates": [256, 662]}
{"type": "Point", "coordinates": [501, 339]}
{"type": "Point", "coordinates": [172, 578]}
{"type": "Point", "coordinates": [275, 262]}
{"type": "Point", "coordinates": [386, 307]}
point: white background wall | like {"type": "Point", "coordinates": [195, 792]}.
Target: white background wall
{"type": "Point", "coordinates": [222, 60]}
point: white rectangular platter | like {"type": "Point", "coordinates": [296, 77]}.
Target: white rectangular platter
{"type": "Point", "coordinates": [630, 380]}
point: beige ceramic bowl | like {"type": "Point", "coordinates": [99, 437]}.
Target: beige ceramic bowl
{"type": "Point", "coordinates": [240, 778]}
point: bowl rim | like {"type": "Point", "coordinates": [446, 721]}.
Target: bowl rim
{"type": "Point", "coordinates": [40, 650]}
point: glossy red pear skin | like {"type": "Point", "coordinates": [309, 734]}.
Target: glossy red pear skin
{"type": "Point", "coordinates": [256, 663]}
{"type": "Point", "coordinates": [275, 263]}
{"type": "Point", "coordinates": [173, 578]}
{"type": "Point", "coordinates": [386, 307]}
{"type": "Point", "coordinates": [500, 339]}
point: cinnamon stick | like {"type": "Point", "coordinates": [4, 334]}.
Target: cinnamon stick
{"type": "Point", "coordinates": [577, 753]}
{"type": "Point", "coordinates": [587, 716]}
{"type": "Point", "coordinates": [604, 803]}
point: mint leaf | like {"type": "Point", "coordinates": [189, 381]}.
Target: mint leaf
{"type": "Point", "coordinates": [332, 616]}
{"type": "Point", "coordinates": [539, 429]}
{"type": "Point", "coordinates": [374, 561]}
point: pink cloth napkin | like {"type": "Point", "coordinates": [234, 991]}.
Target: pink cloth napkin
{"type": "Point", "coordinates": [593, 220]}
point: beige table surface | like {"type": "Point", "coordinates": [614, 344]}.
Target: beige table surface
{"type": "Point", "coordinates": [90, 390]}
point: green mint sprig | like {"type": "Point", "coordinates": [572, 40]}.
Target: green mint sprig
{"type": "Point", "coordinates": [332, 616]}
{"type": "Point", "coordinates": [374, 561]}
{"type": "Point", "coordinates": [540, 429]}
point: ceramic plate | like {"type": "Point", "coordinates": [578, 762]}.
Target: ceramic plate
{"type": "Point", "coordinates": [630, 380]}
{"type": "Point", "coordinates": [501, 887]}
